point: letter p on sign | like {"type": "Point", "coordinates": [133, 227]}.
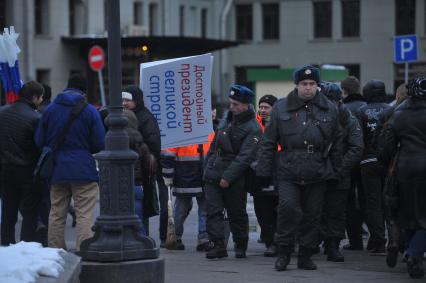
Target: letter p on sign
{"type": "Point", "coordinates": [405, 48]}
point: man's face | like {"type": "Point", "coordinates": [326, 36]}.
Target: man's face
{"type": "Point", "coordinates": [265, 110]}
{"type": "Point", "coordinates": [237, 107]}
{"type": "Point", "coordinates": [128, 104]}
{"type": "Point", "coordinates": [306, 89]}
{"type": "Point", "coordinates": [214, 113]}
{"type": "Point", "coordinates": [37, 100]}
{"type": "Point", "coordinates": [344, 94]}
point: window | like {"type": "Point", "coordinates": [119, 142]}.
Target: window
{"type": "Point", "coordinates": [3, 22]}
{"type": "Point", "coordinates": [203, 23]}
{"type": "Point", "coordinates": [350, 18]}
{"type": "Point", "coordinates": [181, 20]}
{"type": "Point", "coordinates": [405, 16]}
{"type": "Point", "coordinates": [153, 18]}
{"type": "Point", "coordinates": [41, 17]}
{"type": "Point", "coordinates": [138, 13]}
{"type": "Point", "coordinates": [244, 22]}
{"type": "Point", "coordinates": [322, 19]}
{"type": "Point", "coordinates": [43, 76]}
{"type": "Point", "coordinates": [271, 21]}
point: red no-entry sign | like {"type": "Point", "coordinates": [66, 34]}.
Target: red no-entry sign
{"type": "Point", "coordinates": [96, 58]}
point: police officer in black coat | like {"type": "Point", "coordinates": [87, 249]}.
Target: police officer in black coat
{"type": "Point", "coordinates": [372, 172]}
{"type": "Point", "coordinates": [334, 216]}
{"type": "Point", "coordinates": [232, 151]}
{"type": "Point", "coordinates": [306, 126]}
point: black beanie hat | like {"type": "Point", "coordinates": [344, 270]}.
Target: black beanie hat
{"type": "Point", "coordinates": [78, 81]}
{"type": "Point", "coordinates": [268, 98]}
{"type": "Point", "coordinates": [136, 92]}
{"type": "Point", "coordinates": [308, 72]}
{"type": "Point", "coordinates": [374, 91]}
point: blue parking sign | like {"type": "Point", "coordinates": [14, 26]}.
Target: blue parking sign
{"type": "Point", "coordinates": [405, 48]}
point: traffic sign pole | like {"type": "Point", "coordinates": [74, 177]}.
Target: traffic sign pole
{"type": "Point", "coordinates": [97, 62]}
{"type": "Point", "coordinates": [406, 72]}
{"type": "Point", "coordinates": [101, 87]}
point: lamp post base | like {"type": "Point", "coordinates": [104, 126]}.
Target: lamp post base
{"type": "Point", "coordinates": [135, 271]}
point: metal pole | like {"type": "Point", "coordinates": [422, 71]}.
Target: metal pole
{"type": "Point", "coordinates": [406, 72]}
{"type": "Point", "coordinates": [101, 87]}
{"type": "Point", "coordinates": [117, 229]}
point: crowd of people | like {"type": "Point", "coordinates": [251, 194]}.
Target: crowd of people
{"type": "Point", "coordinates": [319, 163]}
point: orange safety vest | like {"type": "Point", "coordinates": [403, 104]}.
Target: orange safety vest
{"type": "Point", "coordinates": [259, 120]}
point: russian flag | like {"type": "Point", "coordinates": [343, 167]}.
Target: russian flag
{"type": "Point", "coordinates": [9, 67]}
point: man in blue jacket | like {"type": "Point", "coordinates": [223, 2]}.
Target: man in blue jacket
{"type": "Point", "coordinates": [75, 173]}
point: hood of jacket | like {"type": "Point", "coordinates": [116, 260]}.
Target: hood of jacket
{"type": "Point", "coordinates": [69, 97]}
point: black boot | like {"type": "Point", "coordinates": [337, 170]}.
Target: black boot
{"type": "Point", "coordinates": [393, 244]}
{"type": "Point", "coordinates": [284, 256]}
{"type": "Point", "coordinates": [415, 268]}
{"type": "Point", "coordinates": [271, 250]}
{"type": "Point", "coordinates": [332, 250]}
{"type": "Point", "coordinates": [304, 259]}
{"type": "Point", "coordinates": [240, 248]}
{"type": "Point", "coordinates": [218, 250]}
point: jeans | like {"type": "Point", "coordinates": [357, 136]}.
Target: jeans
{"type": "Point", "coordinates": [182, 207]}
{"type": "Point", "coordinates": [417, 243]}
{"type": "Point", "coordinates": [139, 207]}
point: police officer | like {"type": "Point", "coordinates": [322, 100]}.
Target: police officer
{"type": "Point", "coordinates": [265, 199]}
{"type": "Point", "coordinates": [335, 200]}
{"type": "Point", "coordinates": [372, 171]}
{"type": "Point", "coordinates": [232, 151]}
{"type": "Point", "coordinates": [305, 125]}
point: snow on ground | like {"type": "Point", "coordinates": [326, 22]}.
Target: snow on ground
{"type": "Point", "coordinates": [26, 261]}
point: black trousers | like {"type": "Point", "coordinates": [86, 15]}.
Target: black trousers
{"type": "Point", "coordinates": [299, 211]}
{"type": "Point", "coordinates": [372, 182]}
{"type": "Point", "coordinates": [265, 207]}
{"type": "Point", "coordinates": [355, 209]}
{"type": "Point", "coordinates": [334, 210]}
{"type": "Point", "coordinates": [19, 194]}
{"type": "Point", "coordinates": [163, 197]}
{"type": "Point", "coordinates": [234, 200]}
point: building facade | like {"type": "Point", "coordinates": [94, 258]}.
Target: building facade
{"type": "Point", "coordinates": [272, 34]}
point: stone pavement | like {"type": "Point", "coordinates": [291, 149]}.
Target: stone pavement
{"type": "Point", "coordinates": [190, 266]}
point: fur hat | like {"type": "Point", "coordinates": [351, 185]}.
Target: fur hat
{"type": "Point", "coordinates": [241, 93]}
{"type": "Point", "coordinates": [268, 98]}
{"type": "Point", "coordinates": [308, 72]}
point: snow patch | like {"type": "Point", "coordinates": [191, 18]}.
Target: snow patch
{"type": "Point", "coordinates": [24, 262]}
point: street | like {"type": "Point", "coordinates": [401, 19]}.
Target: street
{"type": "Point", "coordinates": [191, 266]}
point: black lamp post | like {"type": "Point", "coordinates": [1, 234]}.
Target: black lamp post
{"type": "Point", "coordinates": [116, 236]}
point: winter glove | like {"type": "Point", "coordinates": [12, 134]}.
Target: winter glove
{"type": "Point", "coordinates": [168, 181]}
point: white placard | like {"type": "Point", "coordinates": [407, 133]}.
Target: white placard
{"type": "Point", "coordinates": [178, 94]}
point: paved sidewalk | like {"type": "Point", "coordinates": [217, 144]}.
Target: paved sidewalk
{"type": "Point", "coordinates": [189, 266]}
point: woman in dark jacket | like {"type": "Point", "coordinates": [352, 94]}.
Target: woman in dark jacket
{"type": "Point", "coordinates": [144, 170]}
{"type": "Point", "coordinates": [406, 132]}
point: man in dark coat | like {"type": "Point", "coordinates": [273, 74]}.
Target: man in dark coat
{"type": "Point", "coordinates": [232, 151]}
{"type": "Point", "coordinates": [372, 172]}
{"type": "Point", "coordinates": [19, 155]}
{"type": "Point", "coordinates": [335, 200]}
{"type": "Point", "coordinates": [353, 100]}
{"type": "Point", "coordinates": [305, 125]}
{"type": "Point", "coordinates": [148, 127]}
{"type": "Point", "coordinates": [406, 133]}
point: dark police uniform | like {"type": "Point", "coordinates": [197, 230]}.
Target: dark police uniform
{"type": "Point", "coordinates": [232, 151]}
{"type": "Point", "coordinates": [335, 199]}
{"type": "Point", "coordinates": [309, 135]}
